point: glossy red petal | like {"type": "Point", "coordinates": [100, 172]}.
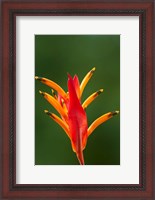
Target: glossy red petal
{"type": "Point", "coordinates": [77, 85]}
{"type": "Point", "coordinates": [77, 120]}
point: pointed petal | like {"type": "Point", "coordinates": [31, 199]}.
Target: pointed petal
{"type": "Point", "coordinates": [59, 121]}
{"type": "Point", "coordinates": [77, 86]}
{"type": "Point", "coordinates": [100, 120]}
{"type": "Point", "coordinates": [91, 98]}
{"type": "Point", "coordinates": [55, 104]}
{"type": "Point", "coordinates": [85, 80]}
{"type": "Point", "coordinates": [53, 85]}
{"type": "Point", "coordinates": [77, 120]}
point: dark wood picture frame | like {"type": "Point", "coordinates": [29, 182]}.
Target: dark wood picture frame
{"type": "Point", "coordinates": [12, 8]}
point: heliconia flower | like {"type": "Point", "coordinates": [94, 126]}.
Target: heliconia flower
{"type": "Point", "coordinates": [73, 118]}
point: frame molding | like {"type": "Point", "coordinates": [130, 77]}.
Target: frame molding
{"type": "Point", "coordinates": [11, 9]}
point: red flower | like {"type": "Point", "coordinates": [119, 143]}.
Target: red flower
{"type": "Point", "coordinates": [73, 116]}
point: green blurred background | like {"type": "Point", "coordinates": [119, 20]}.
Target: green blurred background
{"type": "Point", "coordinates": [55, 55]}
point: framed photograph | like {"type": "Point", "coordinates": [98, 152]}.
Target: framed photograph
{"type": "Point", "coordinates": [77, 99]}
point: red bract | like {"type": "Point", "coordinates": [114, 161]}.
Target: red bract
{"type": "Point", "coordinates": [73, 118]}
{"type": "Point", "coordinates": [77, 119]}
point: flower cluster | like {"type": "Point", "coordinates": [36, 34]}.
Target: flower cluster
{"type": "Point", "coordinates": [73, 118]}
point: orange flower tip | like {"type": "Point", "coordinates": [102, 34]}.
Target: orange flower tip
{"type": "Point", "coordinates": [48, 113]}
{"type": "Point", "coordinates": [114, 113]}
{"type": "Point", "coordinates": [42, 93]}
{"type": "Point", "coordinates": [92, 71]}
{"type": "Point", "coordinates": [38, 78]}
{"type": "Point", "coordinates": [100, 91]}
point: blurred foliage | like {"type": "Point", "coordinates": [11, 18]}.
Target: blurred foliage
{"type": "Point", "coordinates": [55, 55]}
